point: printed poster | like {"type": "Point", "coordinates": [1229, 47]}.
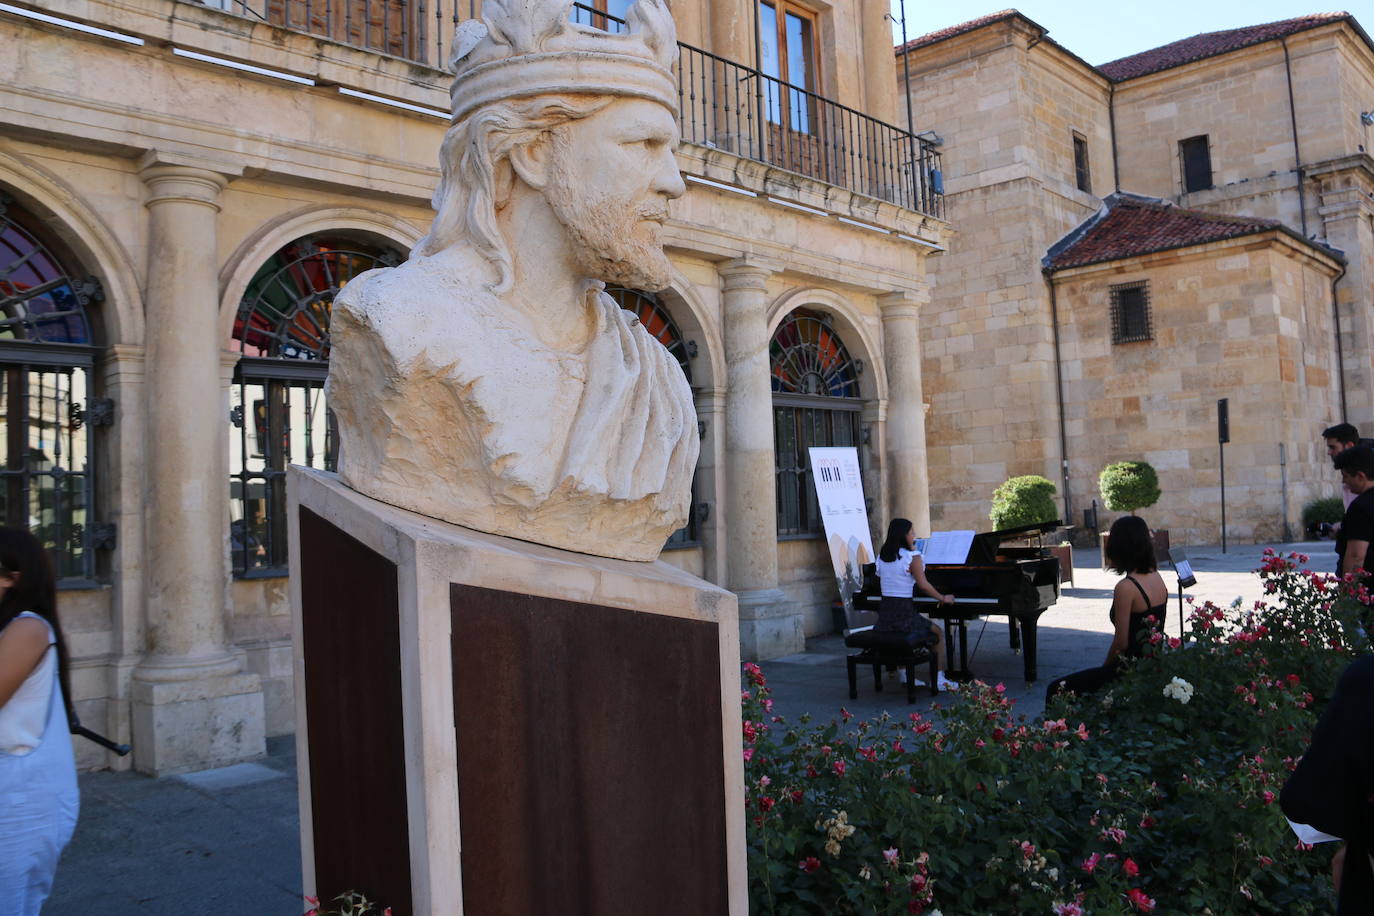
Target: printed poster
{"type": "Point", "coordinates": [840, 495]}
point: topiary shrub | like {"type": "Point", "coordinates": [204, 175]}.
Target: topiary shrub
{"type": "Point", "coordinates": [1128, 485]}
{"type": "Point", "coordinates": [1329, 510]}
{"type": "Point", "coordinates": [1023, 501]}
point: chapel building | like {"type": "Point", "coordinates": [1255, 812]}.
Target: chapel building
{"type": "Point", "coordinates": [1137, 240]}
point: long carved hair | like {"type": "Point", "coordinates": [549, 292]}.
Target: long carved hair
{"type": "Point", "coordinates": [475, 173]}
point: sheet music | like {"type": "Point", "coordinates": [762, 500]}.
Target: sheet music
{"type": "Point", "coordinates": [947, 547]}
{"type": "Point", "coordinates": [1309, 834]}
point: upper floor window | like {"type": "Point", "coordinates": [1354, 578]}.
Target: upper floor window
{"type": "Point", "coordinates": [607, 15]}
{"type": "Point", "coordinates": [277, 407]}
{"type": "Point", "coordinates": [47, 406]}
{"type": "Point", "coordinates": [1131, 312]}
{"type": "Point", "coordinates": [1196, 157]}
{"type": "Point", "coordinates": [815, 404]}
{"type": "Point", "coordinates": [1080, 163]}
{"type": "Point", "coordinates": [787, 53]}
{"type": "Point", "coordinates": [390, 26]}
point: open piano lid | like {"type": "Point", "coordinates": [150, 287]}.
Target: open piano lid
{"type": "Point", "coordinates": [985, 545]}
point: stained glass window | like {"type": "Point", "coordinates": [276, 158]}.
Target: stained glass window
{"type": "Point", "coordinates": [277, 408]}
{"type": "Point", "coordinates": [46, 406]}
{"type": "Point", "coordinates": [660, 325]}
{"type": "Point", "coordinates": [815, 404]}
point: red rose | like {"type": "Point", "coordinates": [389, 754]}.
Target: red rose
{"type": "Point", "coordinates": [809, 864]}
{"type": "Point", "coordinates": [1139, 900]}
{"type": "Point", "coordinates": [1130, 868]}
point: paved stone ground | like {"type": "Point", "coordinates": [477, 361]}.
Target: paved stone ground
{"type": "Point", "coordinates": [227, 840]}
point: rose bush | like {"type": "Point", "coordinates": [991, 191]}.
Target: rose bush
{"type": "Point", "coordinates": [1134, 800]}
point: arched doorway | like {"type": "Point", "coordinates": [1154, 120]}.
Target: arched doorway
{"type": "Point", "coordinates": [48, 406]}
{"type": "Point", "coordinates": [277, 407]}
{"type": "Point", "coordinates": [816, 403]}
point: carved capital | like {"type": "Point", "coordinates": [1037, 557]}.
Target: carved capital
{"type": "Point", "coordinates": [745, 273]}
{"type": "Point", "coordinates": [904, 303]}
{"type": "Point", "coordinates": [173, 177]}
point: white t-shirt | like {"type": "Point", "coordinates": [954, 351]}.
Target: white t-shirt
{"type": "Point", "coordinates": [25, 717]}
{"type": "Point", "coordinates": [895, 577]}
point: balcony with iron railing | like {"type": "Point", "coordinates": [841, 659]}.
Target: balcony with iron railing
{"type": "Point", "coordinates": [724, 105]}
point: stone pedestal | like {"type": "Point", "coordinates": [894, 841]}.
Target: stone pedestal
{"type": "Point", "coordinates": [486, 725]}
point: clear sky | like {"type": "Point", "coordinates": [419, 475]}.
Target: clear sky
{"type": "Point", "coordinates": [1103, 30]}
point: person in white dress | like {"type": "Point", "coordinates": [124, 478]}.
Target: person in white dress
{"type": "Point", "coordinates": [901, 571]}
{"type": "Point", "coordinates": [38, 792]}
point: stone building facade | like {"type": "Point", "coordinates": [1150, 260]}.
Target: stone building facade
{"type": "Point", "coordinates": [186, 185]}
{"type": "Point", "coordinates": [1022, 373]}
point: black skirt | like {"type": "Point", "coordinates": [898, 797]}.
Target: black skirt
{"type": "Point", "coordinates": [899, 615]}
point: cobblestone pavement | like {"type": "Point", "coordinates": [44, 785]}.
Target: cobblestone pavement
{"type": "Point", "coordinates": [226, 840]}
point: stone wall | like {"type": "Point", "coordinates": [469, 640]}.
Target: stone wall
{"type": "Point", "coordinates": [1248, 320]}
{"type": "Point", "coordinates": [1008, 112]}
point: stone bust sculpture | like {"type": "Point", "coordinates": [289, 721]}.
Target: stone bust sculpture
{"type": "Point", "coordinates": [489, 381]}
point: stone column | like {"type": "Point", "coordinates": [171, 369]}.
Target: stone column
{"type": "Point", "coordinates": [769, 625]}
{"type": "Point", "coordinates": [908, 480]}
{"type": "Point", "coordinates": [193, 707]}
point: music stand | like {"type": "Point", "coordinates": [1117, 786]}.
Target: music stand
{"type": "Point", "coordinates": [1184, 570]}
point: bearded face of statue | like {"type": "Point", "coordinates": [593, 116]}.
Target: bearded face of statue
{"type": "Point", "coordinates": [611, 177]}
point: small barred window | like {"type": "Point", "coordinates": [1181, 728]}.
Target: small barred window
{"type": "Point", "coordinates": [1131, 313]}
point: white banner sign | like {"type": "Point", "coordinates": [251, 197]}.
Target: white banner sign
{"type": "Point", "coordinates": [840, 494]}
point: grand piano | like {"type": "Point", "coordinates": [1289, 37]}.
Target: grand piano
{"type": "Point", "coordinates": [1017, 581]}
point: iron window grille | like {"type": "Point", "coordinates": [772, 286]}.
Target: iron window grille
{"type": "Point", "coordinates": [49, 409]}
{"type": "Point", "coordinates": [277, 411]}
{"type": "Point", "coordinates": [815, 404]}
{"type": "Point", "coordinates": [1196, 157]}
{"type": "Point", "coordinates": [1131, 319]}
{"type": "Point", "coordinates": [659, 323]}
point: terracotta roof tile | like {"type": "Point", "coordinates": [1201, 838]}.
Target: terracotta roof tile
{"type": "Point", "coordinates": [932, 37]}
{"type": "Point", "coordinates": [1134, 226]}
{"type": "Point", "coordinates": [1210, 44]}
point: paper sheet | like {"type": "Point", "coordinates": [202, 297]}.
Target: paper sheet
{"type": "Point", "coordinates": [947, 547]}
{"type": "Point", "coordinates": [1311, 835]}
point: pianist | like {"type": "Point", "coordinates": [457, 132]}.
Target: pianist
{"type": "Point", "coordinates": [900, 571]}
{"type": "Point", "coordinates": [1138, 605]}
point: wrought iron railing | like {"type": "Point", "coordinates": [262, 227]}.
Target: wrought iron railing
{"type": "Point", "coordinates": [417, 30]}
{"type": "Point", "coordinates": [724, 104]}
{"type": "Point", "coordinates": [737, 108]}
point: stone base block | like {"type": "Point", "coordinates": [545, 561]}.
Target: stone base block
{"type": "Point", "coordinates": [491, 726]}
{"type": "Point", "coordinates": [181, 726]}
{"type": "Point", "coordinates": [769, 625]}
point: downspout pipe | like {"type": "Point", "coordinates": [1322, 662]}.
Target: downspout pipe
{"type": "Point", "coordinates": [1297, 150]}
{"type": "Point", "coordinates": [1340, 357]}
{"type": "Point", "coordinates": [1059, 399]}
{"type": "Point", "coordinates": [1111, 118]}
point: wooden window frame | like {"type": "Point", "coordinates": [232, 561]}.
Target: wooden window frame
{"type": "Point", "coordinates": [1205, 141]}
{"type": "Point", "coordinates": [782, 8]}
{"type": "Point", "coordinates": [1082, 166]}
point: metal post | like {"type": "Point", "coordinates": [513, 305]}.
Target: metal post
{"type": "Point", "coordinates": [1283, 491]}
{"type": "Point", "coordinates": [1221, 462]}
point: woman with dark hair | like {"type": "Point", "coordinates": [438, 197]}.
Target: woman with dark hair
{"type": "Point", "coordinates": [1139, 602]}
{"type": "Point", "coordinates": [900, 571]}
{"type": "Point", "coordinates": [38, 794]}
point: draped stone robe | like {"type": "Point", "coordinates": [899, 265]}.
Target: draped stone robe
{"type": "Point", "coordinates": [448, 404]}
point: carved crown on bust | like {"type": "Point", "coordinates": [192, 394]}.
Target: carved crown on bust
{"type": "Point", "coordinates": [524, 48]}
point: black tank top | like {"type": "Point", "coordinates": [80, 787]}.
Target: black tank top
{"type": "Point", "coordinates": [1140, 625]}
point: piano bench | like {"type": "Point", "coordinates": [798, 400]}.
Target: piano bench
{"type": "Point", "coordinates": [893, 650]}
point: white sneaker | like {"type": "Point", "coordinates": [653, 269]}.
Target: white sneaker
{"type": "Point", "coordinates": [901, 676]}
{"type": "Point", "coordinates": [946, 685]}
